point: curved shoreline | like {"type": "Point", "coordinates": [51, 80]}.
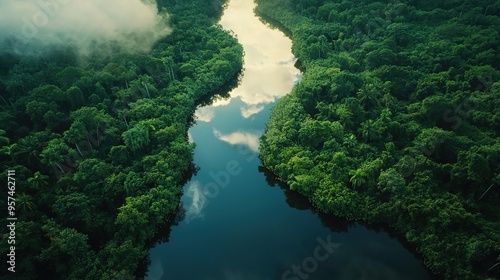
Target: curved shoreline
{"type": "Point", "coordinates": [406, 232]}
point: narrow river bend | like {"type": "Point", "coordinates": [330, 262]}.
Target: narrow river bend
{"type": "Point", "coordinates": [239, 223]}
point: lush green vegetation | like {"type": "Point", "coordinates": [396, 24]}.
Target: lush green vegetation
{"type": "Point", "coordinates": [396, 121]}
{"type": "Point", "coordinates": [99, 145]}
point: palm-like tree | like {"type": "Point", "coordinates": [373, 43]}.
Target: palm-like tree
{"type": "Point", "coordinates": [3, 140]}
{"type": "Point", "coordinates": [9, 150]}
{"type": "Point", "coordinates": [50, 159]}
{"type": "Point", "coordinates": [38, 180]}
{"type": "Point", "coordinates": [350, 141]}
{"type": "Point", "coordinates": [76, 133]}
{"type": "Point", "coordinates": [167, 64]}
{"type": "Point", "coordinates": [345, 116]}
{"type": "Point", "coordinates": [122, 114]}
{"type": "Point", "coordinates": [53, 153]}
{"type": "Point", "coordinates": [27, 148]}
{"type": "Point", "coordinates": [368, 95]}
{"type": "Point", "coordinates": [25, 202]}
{"type": "Point", "coordinates": [358, 177]}
{"type": "Point", "coordinates": [322, 45]}
{"type": "Point", "coordinates": [368, 131]}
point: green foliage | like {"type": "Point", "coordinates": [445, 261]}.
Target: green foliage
{"type": "Point", "coordinates": [38, 180]}
{"type": "Point", "coordinates": [396, 120]}
{"type": "Point", "coordinates": [4, 140]}
{"type": "Point", "coordinates": [100, 147]}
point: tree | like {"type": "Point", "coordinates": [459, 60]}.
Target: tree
{"type": "Point", "coordinates": [75, 134]}
{"type": "Point", "coordinates": [75, 209]}
{"type": "Point", "coordinates": [137, 137]}
{"type": "Point", "coordinates": [134, 184]}
{"type": "Point", "coordinates": [24, 203]}
{"type": "Point", "coordinates": [67, 245]}
{"type": "Point", "coordinates": [92, 170]}
{"type": "Point", "coordinates": [69, 76]}
{"type": "Point", "coordinates": [349, 141]}
{"type": "Point", "coordinates": [122, 259]}
{"type": "Point", "coordinates": [93, 120]}
{"type": "Point", "coordinates": [48, 94]}
{"type": "Point", "coordinates": [9, 150]}
{"type": "Point", "coordinates": [75, 97]}
{"type": "Point", "coordinates": [31, 146]}
{"type": "Point", "coordinates": [71, 231]}
{"type": "Point", "coordinates": [300, 164]}
{"type": "Point", "coordinates": [345, 116]}
{"type": "Point", "coordinates": [369, 132]}
{"type": "Point", "coordinates": [133, 222]}
{"type": "Point", "coordinates": [306, 184]}
{"type": "Point", "coordinates": [422, 169]}
{"type": "Point", "coordinates": [368, 96]}
{"type": "Point", "coordinates": [37, 109]}
{"type": "Point", "coordinates": [38, 180]}
{"type": "Point", "coordinates": [371, 91]}
{"type": "Point", "coordinates": [314, 133]}
{"type": "Point", "coordinates": [358, 177]}
{"type": "Point", "coordinates": [54, 152]}
{"type": "Point", "coordinates": [187, 69]}
{"type": "Point", "coordinates": [390, 181]}
{"type": "Point", "coordinates": [3, 140]}
{"type": "Point", "coordinates": [472, 167]}
{"type": "Point", "coordinates": [119, 154]}
{"type": "Point", "coordinates": [54, 120]}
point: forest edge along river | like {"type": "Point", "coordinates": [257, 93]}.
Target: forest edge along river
{"type": "Point", "coordinates": [238, 221]}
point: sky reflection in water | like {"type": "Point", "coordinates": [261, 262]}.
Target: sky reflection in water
{"type": "Point", "coordinates": [249, 228]}
{"type": "Point", "coordinates": [269, 72]}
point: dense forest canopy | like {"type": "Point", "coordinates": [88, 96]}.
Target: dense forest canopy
{"type": "Point", "coordinates": [396, 121]}
{"type": "Point", "coordinates": [99, 143]}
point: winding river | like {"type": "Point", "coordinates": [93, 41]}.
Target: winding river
{"type": "Point", "coordinates": [239, 222]}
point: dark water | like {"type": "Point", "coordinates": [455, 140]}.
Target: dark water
{"type": "Point", "coordinates": [239, 223]}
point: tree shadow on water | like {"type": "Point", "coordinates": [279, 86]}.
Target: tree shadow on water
{"type": "Point", "coordinates": [298, 201]}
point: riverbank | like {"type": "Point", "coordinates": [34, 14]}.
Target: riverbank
{"type": "Point", "coordinates": [237, 223]}
{"type": "Point", "coordinates": [371, 134]}
{"type": "Point", "coordinates": [99, 141]}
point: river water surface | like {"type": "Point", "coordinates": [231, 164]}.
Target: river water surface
{"type": "Point", "coordinates": [239, 224]}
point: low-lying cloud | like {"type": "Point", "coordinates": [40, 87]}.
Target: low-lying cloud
{"type": "Point", "coordinates": [90, 25]}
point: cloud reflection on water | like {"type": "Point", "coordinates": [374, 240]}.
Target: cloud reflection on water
{"type": "Point", "coordinates": [155, 271]}
{"type": "Point", "coordinates": [250, 140]}
{"type": "Point", "coordinates": [197, 203]}
{"type": "Point", "coordinates": [269, 72]}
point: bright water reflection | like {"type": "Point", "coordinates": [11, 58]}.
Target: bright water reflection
{"type": "Point", "coordinates": [269, 72]}
{"type": "Point", "coordinates": [238, 224]}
